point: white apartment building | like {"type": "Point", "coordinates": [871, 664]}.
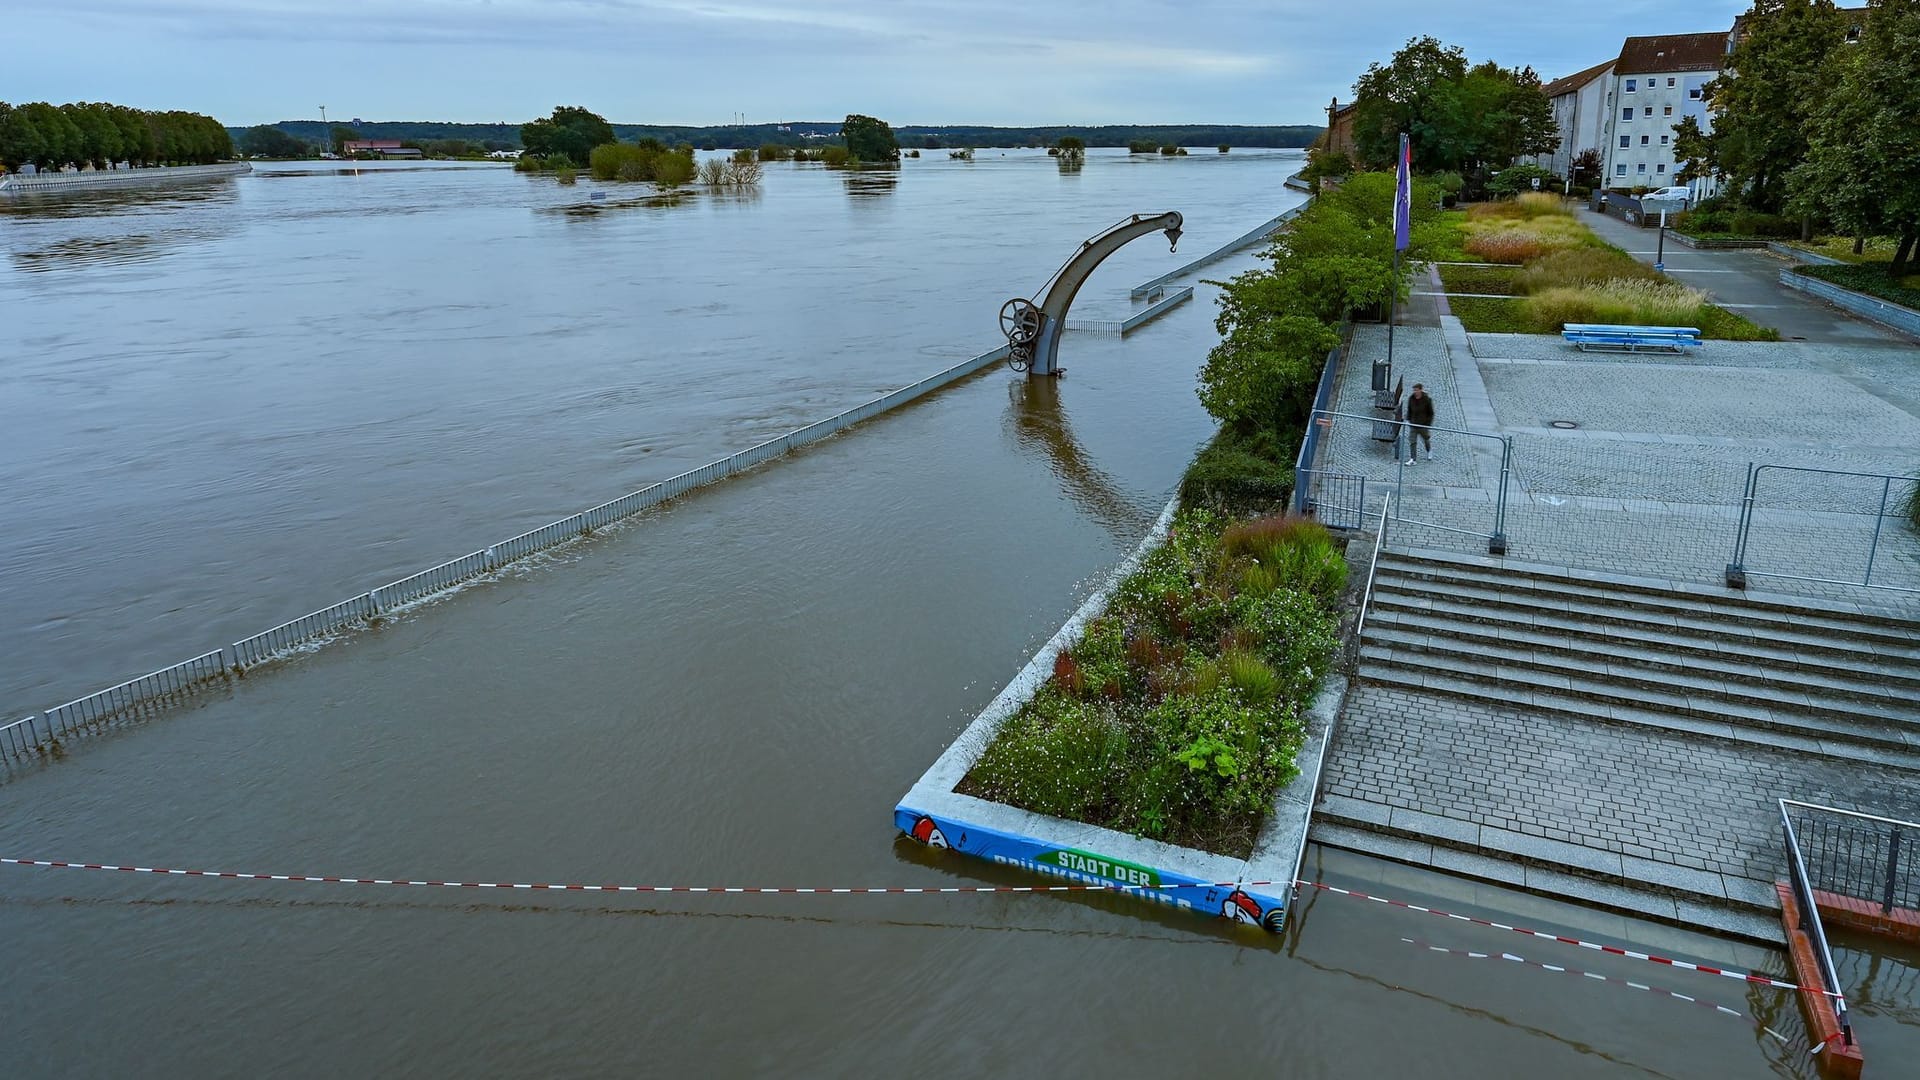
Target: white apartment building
{"type": "Point", "coordinates": [1626, 108]}
{"type": "Point", "coordinates": [1580, 107]}
{"type": "Point", "coordinates": [1657, 82]}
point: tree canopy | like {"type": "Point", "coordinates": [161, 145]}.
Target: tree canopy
{"type": "Point", "coordinates": [1775, 81]}
{"type": "Point", "coordinates": [1862, 166]}
{"type": "Point", "coordinates": [571, 132]}
{"type": "Point", "coordinates": [265, 140]}
{"type": "Point", "coordinates": [1459, 118]}
{"type": "Point", "coordinates": [100, 134]}
{"type": "Point", "coordinates": [870, 139]}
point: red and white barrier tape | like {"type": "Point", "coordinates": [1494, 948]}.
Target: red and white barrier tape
{"type": "Point", "coordinates": [892, 890]}
{"type": "Point", "coordinates": [746, 889]}
{"type": "Point", "coordinates": [1611, 950]}
{"type": "Point", "coordinates": [1558, 970]}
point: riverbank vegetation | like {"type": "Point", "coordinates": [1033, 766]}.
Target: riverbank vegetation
{"type": "Point", "coordinates": [1179, 712]}
{"type": "Point", "coordinates": [1559, 272]}
{"type": "Point", "coordinates": [100, 135]}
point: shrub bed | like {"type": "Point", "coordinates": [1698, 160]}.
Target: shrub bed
{"type": "Point", "coordinates": [1496, 280]}
{"type": "Point", "coordinates": [1178, 713]}
{"type": "Point", "coordinates": [1872, 279]}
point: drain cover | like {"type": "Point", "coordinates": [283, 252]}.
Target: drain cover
{"type": "Point", "coordinates": [1565, 424]}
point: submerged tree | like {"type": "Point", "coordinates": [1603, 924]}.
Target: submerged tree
{"type": "Point", "coordinates": [870, 139]}
{"type": "Point", "coordinates": [571, 132]}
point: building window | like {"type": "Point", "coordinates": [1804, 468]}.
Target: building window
{"type": "Point", "coordinates": [1649, 111]}
{"type": "Point", "coordinates": [1642, 167]}
{"type": "Point", "coordinates": [1645, 139]}
{"type": "Point", "coordinates": [1630, 83]}
{"type": "Point", "coordinates": [1626, 141]}
{"type": "Point", "coordinates": [1693, 93]}
{"type": "Point", "coordinates": [1664, 138]}
{"type": "Point", "coordinates": [1853, 35]}
{"type": "Point", "coordinates": [1662, 167]}
{"type": "Point", "coordinates": [1667, 110]}
{"type": "Point", "coordinates": [1669, 80]}
{"type": "Point", "coordinates": [1619, 170]}
{"type": "Point", "coordinates": [1626, 113]}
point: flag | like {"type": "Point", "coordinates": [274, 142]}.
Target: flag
{"type": "Point", "coordinates": [1403, 197]}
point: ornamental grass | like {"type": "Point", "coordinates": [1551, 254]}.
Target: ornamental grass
{"type": "Point", "coordinates": [1621, 300]}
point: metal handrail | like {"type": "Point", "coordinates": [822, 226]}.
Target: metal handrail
{"type": "Point", "coordinates": [1373, 567]}
{"type": "Point", "coordinates": [1810, 921]}
{"type": "Point", "coordinates": [1850, 813]}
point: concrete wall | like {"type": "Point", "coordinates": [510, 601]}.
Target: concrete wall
{"type": "Point", "coordinates": [1884, 312]}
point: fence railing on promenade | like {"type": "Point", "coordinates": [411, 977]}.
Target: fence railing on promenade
{"type": "Point", "coordinates": [1308, 460]}
{"type": "Point", "coordinates": [30, 736]}
{"type": "Point", "coordinates": [1868, 499]}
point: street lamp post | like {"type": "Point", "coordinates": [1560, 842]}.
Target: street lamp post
{"type": "Point", "coordinates": [1660, 255]}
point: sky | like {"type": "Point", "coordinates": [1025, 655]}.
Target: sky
{"type": "Point", "coordinates": [701, 62]}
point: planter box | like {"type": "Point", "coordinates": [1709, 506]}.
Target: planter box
{"type": "Point", "coordinates": [1803, 254]}
{"type": "Point", "coordinates": [1872, 308]}
{"type": "Point", "coordinates": [1256, 890]}
{"type": "Point", "coordinates": [1714, 245]}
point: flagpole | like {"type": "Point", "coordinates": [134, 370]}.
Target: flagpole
{"type": "Point", "coordinates": [1402, 227]}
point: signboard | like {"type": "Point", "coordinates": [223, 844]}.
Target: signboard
{"type": "Point", "coordinates": [1264, 906]}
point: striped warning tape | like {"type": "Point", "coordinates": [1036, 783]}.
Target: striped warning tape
{"type": "Point", "coordinates": [1559, 970]}
{"type": "Point", "coordinates": [1611, 950]}
{"type": "Point", "coordinates": [330, 879]}
{"type": "Point", "coordinates": [894, 890]}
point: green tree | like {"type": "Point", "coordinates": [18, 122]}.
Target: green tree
{"type": "Point", "coordinates": [1775, 82]}
{"type": "Point", "coordinates": [265, 140]}
{"type": "Point", "coordinates": [1402, 96]}
{"type": "Point", "coordinates": [571, 132]}
{"type": "Point", "coordinates": [1863, 161]}
{"type": "Point", "coordinates": [1694, 149]}
{"type": "Point", "coordinates": [339, 136]}
{"type": "Point", "coordinates": [870, 139]}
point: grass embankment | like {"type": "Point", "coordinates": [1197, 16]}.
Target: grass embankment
{"type": "Point", "coordinates": [1178, 714]}
{"type": "Point", "coordinates": [1560, 273]}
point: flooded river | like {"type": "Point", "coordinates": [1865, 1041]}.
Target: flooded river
{"type": "Point", "coordinates": [227, 406]}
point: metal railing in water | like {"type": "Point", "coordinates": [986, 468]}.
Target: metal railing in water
{"type": "Point", "coordinates": [1803, 889]}
{"type": "Point", "coordinates": [26, 737]}
{"type": "Point", "coordinates": [1892, 492]}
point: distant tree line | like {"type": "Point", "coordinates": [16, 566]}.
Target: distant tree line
{"type": "Point", "coordinates": [815, 134]}
{"type": "Point", "coordinates": [99, 134]}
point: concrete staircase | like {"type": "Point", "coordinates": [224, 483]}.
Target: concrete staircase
{"type": "Point", "coordinates": [1770, 691]}
{"type": "Point", "coordinates": [1772, 670]}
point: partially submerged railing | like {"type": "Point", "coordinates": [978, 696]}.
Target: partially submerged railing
{"type": "Point", "coordinates": [1883, 492]}
{"type": "Point", "coordinates": [31, 735]}
{"type": "Point", "coordinates": [1859, 856]}
{"type": "Point", "coordinates": [1803, 890]}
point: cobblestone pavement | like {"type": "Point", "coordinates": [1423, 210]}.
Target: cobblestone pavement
{"type": "Point", "coordinates": [1644, 794]}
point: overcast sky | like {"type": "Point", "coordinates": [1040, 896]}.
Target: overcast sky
{"type": "Point", "coordinates": [702, 61]}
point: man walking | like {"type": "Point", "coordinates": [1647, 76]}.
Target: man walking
{"type": "Point", "coordinates": [1419, 423]}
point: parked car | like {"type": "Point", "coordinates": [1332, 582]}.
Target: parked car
{"type": "Point", "coordinates": [1681, 195]}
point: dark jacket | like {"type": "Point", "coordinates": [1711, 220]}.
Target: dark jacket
{"type": "Point", "coordinates": [1420, 410]}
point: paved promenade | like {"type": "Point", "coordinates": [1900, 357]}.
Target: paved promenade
{"type": "Point", "coordinates": [1629, 465]}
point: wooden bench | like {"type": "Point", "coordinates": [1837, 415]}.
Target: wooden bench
{"type": "Point", "coordinates": [1631, 338]}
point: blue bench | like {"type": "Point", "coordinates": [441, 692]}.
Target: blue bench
{"type": "Point", "coordinates": [1631, 338]}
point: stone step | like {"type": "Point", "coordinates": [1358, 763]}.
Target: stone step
{"type": "Point", "coordinates": [1678, 609]}
{"type": "Point", "coordinates": [1834, 671]}
{"type": "Point", "coordinates": [1901, 616]}
{"type": "Point", "coordinates": [1641, 667]}
{"type": "Point", "coordinates": [1676, 896]}
{"type": "Point", "coordinates": [1491, 604]}
{"type": "Point", "coordinates": [1796, 733]}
